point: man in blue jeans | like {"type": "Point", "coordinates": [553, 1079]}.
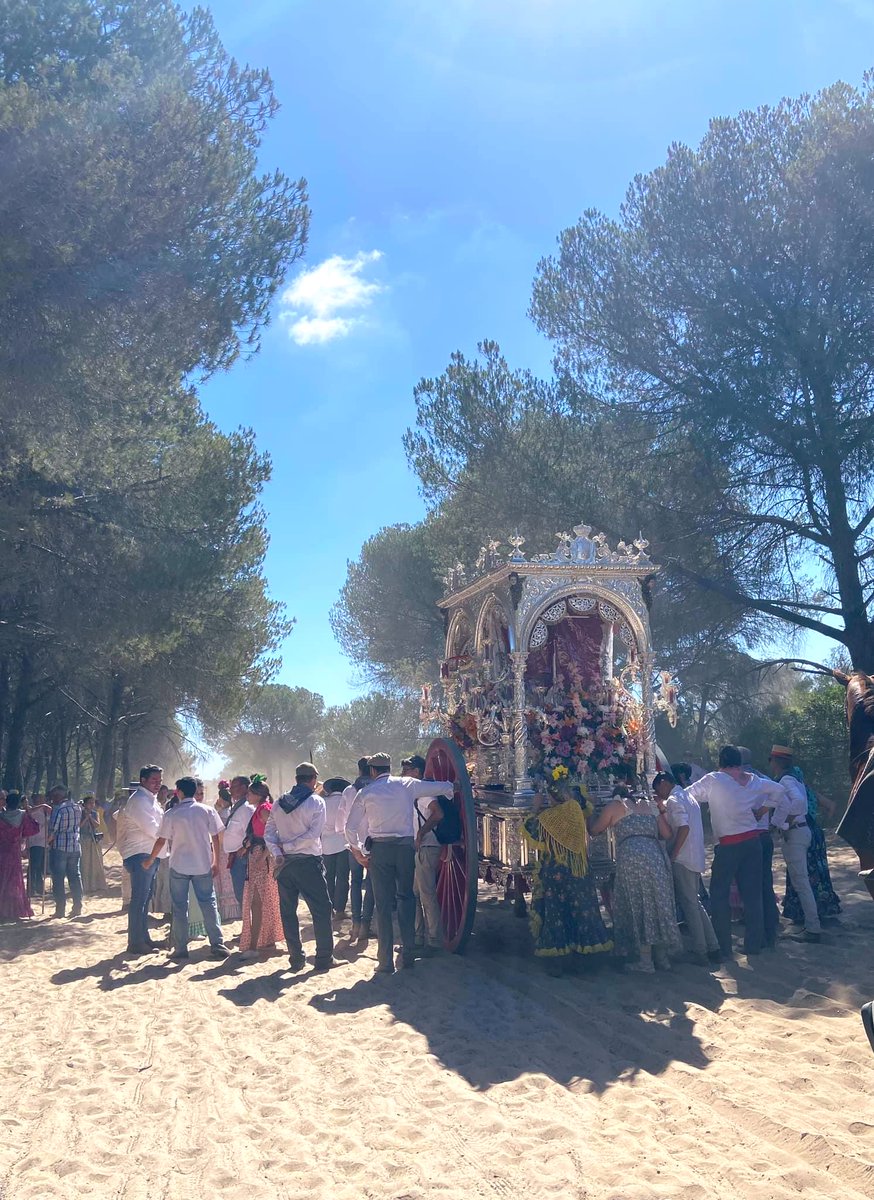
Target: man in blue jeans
{"type": "Point", "coordinates": [65, 854]}
{"type": "Point", "coordinates": [360, 883]}
{"type": "Point", "coordinates": [193, 831]}
{"type": "Point", "coordinates": [138, 823]}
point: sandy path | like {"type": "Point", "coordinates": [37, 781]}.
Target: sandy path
{"type": "Point", "coordinates": [467, 1077]}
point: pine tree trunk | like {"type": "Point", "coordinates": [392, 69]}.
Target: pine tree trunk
{"type": "Point", "coordinates": [701, 728]}
{"type": "Point", "coordinates": [62, 752]}
{"type": "Point", "coordinates": [52, 766]}
{"type": "Point", "coordinates": [125, 754]}
{"type": "Point", "coordinates": [77, 777]}
{"type": "Point", "coordinates": [104, 774]}
{"type": "Point", "coordinates": [4, 701]}
{"type": "Point", "coordinates": [12, 776]}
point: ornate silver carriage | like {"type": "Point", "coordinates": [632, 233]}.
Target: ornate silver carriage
{"type": "Point", "coordinates": [548, 673]}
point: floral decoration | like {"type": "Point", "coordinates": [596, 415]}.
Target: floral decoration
{"type": "Point", "coordinates": [582, 738]}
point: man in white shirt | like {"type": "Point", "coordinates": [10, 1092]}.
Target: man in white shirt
{"type": "Point", "coordinates": [137, 826]}
{"type": "Point", "coordinates": [335, 856]}
{"type": "Point", "coordinates": [790, 819]}
{"type": "Point", "coordinates": [770, 911]}
{"type": "Point", "coordinates": [238, 818]}
{"type": "Point", "coordinates": [381, 828]}
{"type": "Point", "coordinates": [736, 800]}
{"type": "Point", "coordinates": [360, 883]}
{"type": "Point", "coordinates": [687, 864]}
{"type": "Point", "coordinates": [193, 832]}
{"type": "Point", "coordinates": [429, 812]}
{"type": "Point", "coordinates": [294, 839]}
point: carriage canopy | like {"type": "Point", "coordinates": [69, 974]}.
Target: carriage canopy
{"type": "Point", "coordinates": [548, 668]}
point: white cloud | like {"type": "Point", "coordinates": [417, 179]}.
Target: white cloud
{"type": "Point", "coordinates": [326, 301]}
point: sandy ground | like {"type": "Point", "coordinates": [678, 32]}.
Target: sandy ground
{"type": "Point", "coordinates": [474, 1076]}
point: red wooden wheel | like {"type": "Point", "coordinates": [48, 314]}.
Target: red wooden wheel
{"type": "Point", "coordinates": [458, 872]}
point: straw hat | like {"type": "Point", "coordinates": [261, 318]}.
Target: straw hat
{"type": "Point", "coordinates": [781, 752]}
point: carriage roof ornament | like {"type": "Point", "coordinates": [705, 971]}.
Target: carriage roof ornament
{"type": "Point", "coordinates": [517, 542]}
{"type": "Point", "coordinates": [584, 550]}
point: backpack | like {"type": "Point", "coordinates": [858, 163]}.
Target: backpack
{"type": "Point", "coordinates": [448, 829]}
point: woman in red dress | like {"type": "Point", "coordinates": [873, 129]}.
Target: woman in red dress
{"type": "Point", "coordinates": [15, 825]}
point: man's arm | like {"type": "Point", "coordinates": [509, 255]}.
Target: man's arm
{"type": "Point", "coordinates": [700, 790]}
{"type": "Point", "coordinates": [429, 787]}
{"type": "Point", "coordinates": [678, 820]}
{"type": "Point", "coordinates": [346, 802]}
{"type": "Point", "coordinates": [679, 841]}
{"type": "Point", "coordinates": [357, 831]}
{"type": "Point", "coordinates": [215, 851]}
{"type": "Point", "coordinates": [155, 851]}
{"type": "Point", "coordinates": [770, 794]}
{"type": "Point", "coordinates": [272, 840]}
{"type": "Point", "coordinates": [165, 833]}
{"type": "Point", "coordinates": [435, 816]}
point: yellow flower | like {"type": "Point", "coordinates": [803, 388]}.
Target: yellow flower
{"type": "Point", "coordinates": [560, 773]}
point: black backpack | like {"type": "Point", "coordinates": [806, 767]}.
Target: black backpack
{"type": "Point", "coordinates": [448, 829]}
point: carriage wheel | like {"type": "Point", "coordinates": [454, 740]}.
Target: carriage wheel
{"type": "Point", "coordinates": [458, 872]}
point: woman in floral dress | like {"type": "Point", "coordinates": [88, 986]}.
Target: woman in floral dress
{"type": "Point", "coordinates": [644, 910]}
{"type": "Point", "coordinates": [828, 904]}
{"type": "Point", "coordinates": [162, 902]}
{"type": "Point", "coordinates": [229, 909]}
{"type": "Point", "coordinates": [262, 926]}
{"type": "Point", "coordinates": [564, 912]}
{"type": "Point", "coordinates": [93, 874]}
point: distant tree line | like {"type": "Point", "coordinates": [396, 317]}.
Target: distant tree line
{"type": "Point", "coordinates": [282, 726]}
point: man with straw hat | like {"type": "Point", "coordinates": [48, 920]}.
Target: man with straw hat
{"type": "Point", "coordinates": [790, 820]}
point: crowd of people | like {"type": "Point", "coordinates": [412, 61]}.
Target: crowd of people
{"type": "Point", "coordinates": [659, 906]}
{"type": "Point", "coordinates": [61, 838]}
{"type": "Point", "coordinates": [371, 843]}
{"type": "Point", "coordinates": [375, 845]}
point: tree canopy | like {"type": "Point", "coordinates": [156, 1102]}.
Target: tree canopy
{"type": "Point", "coordinates": [386, 721]}
{"type": "Point", "coordinates": [498, 451]}
{"type": "Point", "coordinates": [730, 306]}
{"type": "Point", "coordinates": [712, 388]}
{"type": "Point", "coordinates": [139, 250]}
{"type": "Point", "coordinates": [279, 727]}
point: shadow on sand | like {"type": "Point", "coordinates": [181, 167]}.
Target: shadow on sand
{"type": "Point", "coordinates": [494, 1014]}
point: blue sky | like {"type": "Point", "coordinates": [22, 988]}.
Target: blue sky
{"type": "Point", "coordinates": [446, 144]}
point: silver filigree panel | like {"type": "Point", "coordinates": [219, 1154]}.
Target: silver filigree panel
{"type": "Point", "coordinates": [539, 635]}
{"type": "Point", "coordinates": [554, 613]}
{"type": "Point", "coordinates": [581, 604]}
{"type": "Point", "coordinates": [625, 635]}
